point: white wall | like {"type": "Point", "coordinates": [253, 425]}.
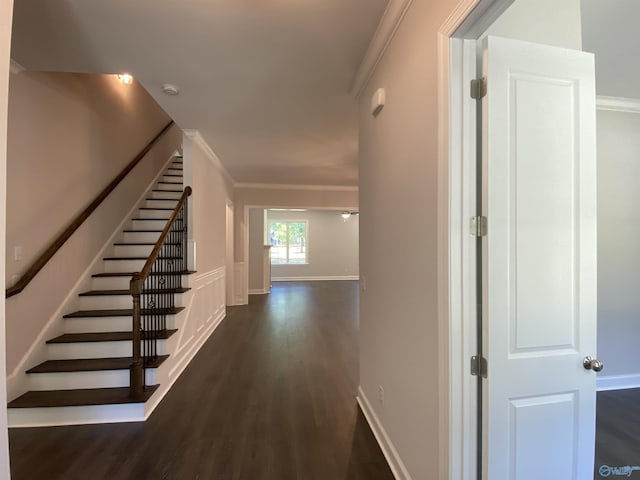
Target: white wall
{"type": "Point", "coordinates": [610, 31]}
{"type": "Point", "coordinates": [69, 135]}
{"type": "Point", "coordinates": [618, 240]}
{"type": "Point", "coordinates": [332, 246]}
{"type": "Point", "coordinates": [6, 15]}
{"type": "Point", "coordinates": [256, 250]}
{"type": "Point", "coordinates": [340, 198]}
{"type": "Point", "coordinates": [549, 22]}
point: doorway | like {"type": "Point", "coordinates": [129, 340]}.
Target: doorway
{"type": "Point", "coordinates": [614, 276]}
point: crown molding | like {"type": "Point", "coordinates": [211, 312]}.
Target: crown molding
{"type": "Point", "coordinates": [15, 67]}
{"type": "Point", "coordinates": [197, 138]}
{"type": "Point", "coordinates": [618, 104]}
{"type": "Point", "coordinates": [289, 186]}
{"type": "Point", "coordinates": [389, 23]}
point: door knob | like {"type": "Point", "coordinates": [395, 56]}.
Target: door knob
{"type": "Point", "coordinates": [592, 364]}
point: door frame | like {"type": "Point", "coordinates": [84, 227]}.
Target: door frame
{"type": "Point", "coordinates": [457, 65]}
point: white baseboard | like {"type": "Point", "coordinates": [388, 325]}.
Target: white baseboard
{"type": "Point", "coordinates": [257, 291]}
{"type": "Point", "coordinates": [617, 382]}
{"type": "Point", "coordinates": [313, 278]}
{"type": "Point", "coordinates": [386, 445]}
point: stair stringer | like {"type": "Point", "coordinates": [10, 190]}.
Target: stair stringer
{"type": "Point", "coordinates": [17, 380]}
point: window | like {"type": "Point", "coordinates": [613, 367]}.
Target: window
{"type": "Point", "coordinates": [288, 242]}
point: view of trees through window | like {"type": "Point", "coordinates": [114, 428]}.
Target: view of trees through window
{"type": "Point", "coordinates": [288, 242]}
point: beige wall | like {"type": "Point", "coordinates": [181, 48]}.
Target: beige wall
{"type": "Point", "coordinates": [69, 135]}
{"type": "Point", "coordinates": [618, 233]}
{"type": "Point", "coordinates": [211, 192]}
{"type": "Point", "coordinates": [6, 9]}
{"type": "Point", "coordinates": [399, 347]}
{"type": "Point", "coordinates": [256, 249]}
{"type": "Point", "coordinates": [332, 245]}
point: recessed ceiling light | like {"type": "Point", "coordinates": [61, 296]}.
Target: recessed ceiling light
{"type": "Point", "coordinates": [170, 89]}
{"type": "Point", "coordinates": [125, 78]}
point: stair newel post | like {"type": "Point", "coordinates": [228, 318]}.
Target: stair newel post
{"type": "Point", "coordinates": [137, 371]}
{"type": "Point", "coordinates": [185, 228]}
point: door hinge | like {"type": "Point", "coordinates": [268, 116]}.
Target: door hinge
{"type": "Point", "coordinates": [479, 366]}
{"type": "Point", "coordinates": [478, 226]}
{"type": "Point", "coordinates": [478, 88]}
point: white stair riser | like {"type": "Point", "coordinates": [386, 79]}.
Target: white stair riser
{"type": "Point", "coordinates": [100, 302]}
{"type": "Point", "coordinates": [170, 178]}
{"type": "Point", "coordinates": [170, 187]}
{"type": "Point", "coordinates": [131, 250]}
{"type": "Point", "coordinates": [147, 237]}
{"type": "Point", "coordinates": [160, 214]}
{"type": "Point", "coordinates": [121, 283]}
{"type": "Point", "coordinates": [123, 265]}
{"type": "Point", "coordinates": [35, 417]}
{"type": "Point", "coordinates": [170, 195]}
{"type": "Point", "coordinates": [148, 224]}
{"type": "Point", "coordinates": [161, 203]}
{"type": "Point", "coordinates": [97, 379]}
{"type": "Point", "coordinates": [101, 324]}
{"type": "Point", "coordinates": [105, 324]}
{"type": "Point", "coordinates": [67, 351]}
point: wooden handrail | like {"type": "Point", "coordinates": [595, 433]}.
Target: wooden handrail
{"type": "Point", "coordinates": [42, 260]}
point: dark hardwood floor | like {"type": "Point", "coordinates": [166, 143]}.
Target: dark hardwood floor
{"type": "Point", "coordinates": [618, 431]}
{"type": "Point", "coordinates": [270, 396]}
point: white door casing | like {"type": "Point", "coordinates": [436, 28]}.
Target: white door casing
{"type": "Point", "coordinates": [539, 261]}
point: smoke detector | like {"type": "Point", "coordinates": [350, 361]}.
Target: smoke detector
{"type": "Point", "coordinates": [170, 89]}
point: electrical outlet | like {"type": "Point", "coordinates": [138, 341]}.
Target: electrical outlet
{"type": "Point", "coordinates": [17, 254]}
{"type": "Point", "coordinates": [381, 394]}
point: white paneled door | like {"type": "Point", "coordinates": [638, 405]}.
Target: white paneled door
{"type": "Point", "coordinates": [539, 261]}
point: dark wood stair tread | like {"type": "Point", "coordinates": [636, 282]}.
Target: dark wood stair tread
{"type": "Point", "coordinates": [121, 312]}
{"type": "Point", "coordinates": [150, 219]}
{"type": "Point", "coordinates": [97, 293]}
{"type": "Point", "coordinates": [143, 244]}
{"type": "Point", "coordinates": [91, 364]}
{"type": "Point", "coordinates": [157, 208]}
{"type": "Point", "coordinates": [104, 337]}
{"type": "Point", "coordinates": [168, 191]}
{"type": "Point", "coordinates": [130, 274]}
{"type": "Point", "coordinates": [131, 230]}
{"type": "Point", "coordinates": [80, 397]}
{"type": "Point", "coordinates": [164, 199]}
{"type": "Point", "coordinates": [141, 258]}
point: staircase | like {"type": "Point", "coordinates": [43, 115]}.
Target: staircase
{"type": "Point", "coordinates": [87, 376]}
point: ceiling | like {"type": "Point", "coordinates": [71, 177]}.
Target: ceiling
{"type": "Point", "coordinates": [609, 31]}
{"type": "Point", "coordinates": [264, 81]}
